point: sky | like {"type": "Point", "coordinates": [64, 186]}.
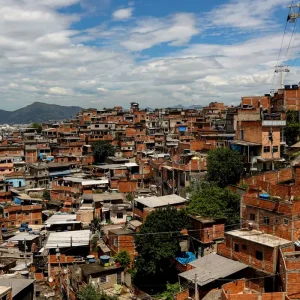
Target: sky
{"type": "Point", "coordinates": [159, 53]}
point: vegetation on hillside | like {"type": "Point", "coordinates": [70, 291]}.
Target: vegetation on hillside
{"type": "Point", "coordinates": [101, 150]}
{"type": "Point", "coordinates": [91, 292]}
{"type": "Point", "coordinates": [209, 200]}
{"type": "Point", "coordinates": [38, 112]}
{"type": "Point", "coordinates": [224, 166]}
{"type": "Point", "coordinates": [157, 244]}
{"type": "Point", "coordinates": [292, 129]}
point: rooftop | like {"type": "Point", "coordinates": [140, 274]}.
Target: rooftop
{"type": "Point", "coordinates": [103, 197]}
{"type": "Point", "coordinates": [4, 290]}
{"type": "Point", "coordinates": [86, 181]}
{"type": "Point", "coordinates": [17, 285]}
{"type": "Point", "coordinates": [61, 219]}
{"type": "Point", "coordinates": [212, 267]}
{"type": "Point", "coordinates": [90, 269]}
{"type": "Point", "coordinates": [258, 237]}
{"type": "Point", "coordinates": [66, 239]}
{"type": "Point", "coordinates": [23, 236]}
{"type": "Point", "coordinates": [161, 201]}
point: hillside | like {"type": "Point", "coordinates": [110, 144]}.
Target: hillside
{"type": "Point", "coordinates": [38, 112]}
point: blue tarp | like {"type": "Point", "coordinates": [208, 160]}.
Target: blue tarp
{"type": "Point", "coordinates": [17, 201]}
{"type": "Point", "coordinates": [186, 257]}
{"type": "Point", "coordinates": [236, 147]}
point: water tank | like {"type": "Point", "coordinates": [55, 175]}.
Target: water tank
{"type": "Point", "coordinates": [295, 86]}
{"type": "Point", "coordinates": [264, 196]}
{"type": "Point", "coordinates": [104, 259]}
{"type": "Point", "coordinates": [287, 87]}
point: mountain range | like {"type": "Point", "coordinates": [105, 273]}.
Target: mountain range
{"type": "Point", "coordinates": [38, 112]}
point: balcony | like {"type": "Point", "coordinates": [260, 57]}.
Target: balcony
{"type": "Point", "coordinates": [271, 123]}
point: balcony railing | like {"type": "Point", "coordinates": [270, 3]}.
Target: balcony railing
{"type": "Point", "coordinates": [270, 123]}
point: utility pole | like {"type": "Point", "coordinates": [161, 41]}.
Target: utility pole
{"type": "Point", "coordinates": [294, 13]}
{"type": "Point", "coordinates": [271, 139]}
{"type": "Point", "coordinates": [281, 69]}
{"type": "Point", "coordinates": [25, 246]}
{"type": "Point", "coordinates": [196, 287]}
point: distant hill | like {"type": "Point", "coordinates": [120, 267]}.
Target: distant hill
{"type": "Point", "coordinates": [189, 107]}
{"type": "Point", "coordinates": [38, 112]}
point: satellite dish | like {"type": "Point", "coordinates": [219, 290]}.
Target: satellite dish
{"type": "Point", "coordinates": [50, 279]}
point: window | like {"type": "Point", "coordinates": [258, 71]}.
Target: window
{"type": "Point", "coordinates": [286, 221]}
{"type": "Point", "coordinates": [267, 149]}
{"type": "Point", "coordinates": [236, 247]}
{"type": "Point", "coordinates": [266, 221]}
{"type": "Point", "coordinates": [119, 215]}
{"type": "Point", "coordinates": [277, 221]}
{"type": "Point", "coordinates": [103, 279]}
{"type": "Point", "coordinates": [259, 255]}
{"type": "Point", "coordinates": [36, 222]}
{"type": "Point", "coordinates": [275, 149]}
{"type": "Point", "coordinates": [270, 136]}
{"type": "Point", "coordinates": [119, 278]}
{"type": "Point", "coordinates": [252, 217]}
{"type": "Point", "coordinates": [244, 247]}
{"type": "Point", "coordinates": [27, 213]}
{"type": "Point", "coordinates": [116, 242]}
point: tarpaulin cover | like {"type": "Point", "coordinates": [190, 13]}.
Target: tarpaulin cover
{"type": "Point", "coordinates": [186, 257]}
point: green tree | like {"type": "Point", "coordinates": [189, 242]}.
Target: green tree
{"type": "Point", "coordinates": [96, 224]}
{"type": "Point", "coordinates": [157, 244]}
{"type": "Point", "coordinates": [170, 292]}
{"type": "Point", "coordinates": [101, 150]}
{"type": "Point", "coordinates": [292, 129]}
{"type": "Point", "coordinates": [91, 292]}
{"type": "Point", "coordinates": [224, 166]}
{"type": "Point", "coordinates": [209, 200]}
{"type": "Point", "coordinates": [37, 126]}
{"type": "Point", "coordinates": [46, 195]}
{"type": "Point", "coordinates": [123, 258]}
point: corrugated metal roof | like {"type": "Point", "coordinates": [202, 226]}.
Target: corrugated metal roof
{"type": "Point", "coordinates": [161, 201]}
{"type": "Point", "coordinates": [212, 267]}
{"type": "Point", "coordinates": [61, 219]}
{"type": "Point", "coordinates": [63, 239]}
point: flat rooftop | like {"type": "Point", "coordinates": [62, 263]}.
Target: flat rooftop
{"type": "Point", "coordinates": [104, 197]}
{"type": "Point", "coordinates": [4, 290]}
{"type": "Point", "coordinates": [67, 238]}
{"type": "Point", "coordinates": [90, 269]}
{"type": "Point", "coordinates": [23, 236]}
{"type": "Point", "coordinates": [17, 285]}
{"type": "Point", "coordinates": [258, 237]}
{"type": "Point", "coordinates": [161, 201]}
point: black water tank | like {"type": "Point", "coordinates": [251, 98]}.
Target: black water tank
{"type": "Point", "coordinates": [287, 87]}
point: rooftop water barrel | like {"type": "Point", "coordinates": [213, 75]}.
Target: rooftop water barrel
{"type": "Point", "coordinates": [264, 196]}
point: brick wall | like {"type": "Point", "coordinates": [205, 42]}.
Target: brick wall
{"type": "Point", "coordinates": [182, 295]}
{"type": "Point", "coordinates": [272, 176]}
{"type": "Point", "coordinates": [247, 253]}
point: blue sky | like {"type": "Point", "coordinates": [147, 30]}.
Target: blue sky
{"type": "Point", "coordinates": [100, 53]}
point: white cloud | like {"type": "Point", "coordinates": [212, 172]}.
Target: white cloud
{"type": "Point", "coordinates": [122, 14]}
{"type": "Point", "coordinates": [43, 59]}
{"type": "Point", "coordinates": [246, 14]}
{"type": "Point", "coordinates": [58, 91]}
{"type": "Point", "coordinates": [177, 30]}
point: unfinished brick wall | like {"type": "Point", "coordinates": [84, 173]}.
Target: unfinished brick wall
{"type": "Point", "coordinates": [247, 253]}
{"type": "Point", "coordinates": [182, 295]}
{"type": "Point", "coordinates": [271, 176]}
